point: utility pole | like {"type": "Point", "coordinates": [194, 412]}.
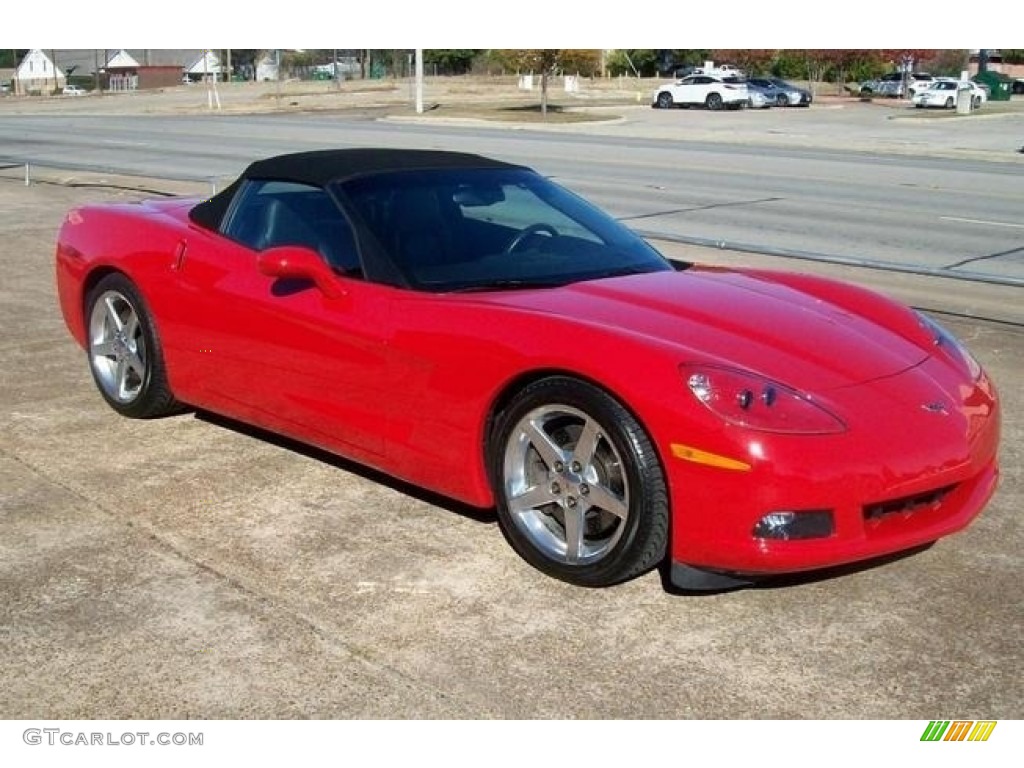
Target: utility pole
{"type": "Point", "coordinates": [419, 81]}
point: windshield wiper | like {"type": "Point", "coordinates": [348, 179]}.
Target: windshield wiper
{"type": "Point", "coordinates": [507, 285]}
{"type": "Point", "coordinates": [638, 269]}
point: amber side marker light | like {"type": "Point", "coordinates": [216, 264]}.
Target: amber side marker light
{"type": "Point", "coordinates": [697, 456]}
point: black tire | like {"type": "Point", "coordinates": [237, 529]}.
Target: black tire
{"type": "Point", "coordinates": [615, 498]}
{"type": "Point", "coordinates": [665, 100]}
{"type": "Point", "coordinates": [782, 100]}
{"type": "Point", "coordinates": [977, 102]}
{"type": "Point", "coordinates": [118, 348]}
{"type": "Point", "coordinates": [949, 103]}
{"type": "Point", "coordinates": [713, 101]}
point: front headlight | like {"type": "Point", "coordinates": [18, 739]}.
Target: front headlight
{"type": "Point", "coordinates": [748, 400]}
{"type": "Point", "coordinates": [952, 346]}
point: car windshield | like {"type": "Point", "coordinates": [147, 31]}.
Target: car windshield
{"type": "Point", "coordinates": [479, 229]}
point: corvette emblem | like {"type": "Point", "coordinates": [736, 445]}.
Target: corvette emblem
{"type": "Point", "coordinates": [936, 407]}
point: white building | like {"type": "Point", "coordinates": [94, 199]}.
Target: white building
{"type": "Point", "coordinates": [267, 69]}
{"type": "Point", "coordinates": [207, 66]}
{"type": "Point", "coordinates": [36, 74]}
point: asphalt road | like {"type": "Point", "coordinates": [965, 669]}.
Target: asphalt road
{"type": "Point", "coordinates": [956, 214]}
{"type": "Point", "coordinates": [192, 568]}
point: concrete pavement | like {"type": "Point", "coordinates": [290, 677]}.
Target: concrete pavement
{"type": "Point", "coordinates": [189, 567]}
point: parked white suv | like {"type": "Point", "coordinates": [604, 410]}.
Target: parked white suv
{"type": "Point", "coordinates": [714, 92]}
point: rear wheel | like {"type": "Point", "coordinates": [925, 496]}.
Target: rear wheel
{"type": "Point", "coordinates": [580, 492]}
{"type": "Point", "coordinates": [977, 102]}
{"type": "Point", "coordinates": [783, 100]}
{"type": "Point", "coordinates": [124, 352]}
{"type": "Point", "coordinates": [949, 103]}
{"type": "Point", "coordinates": [664, 100]}
{"type": "Point", "coordinates": [713, 101]}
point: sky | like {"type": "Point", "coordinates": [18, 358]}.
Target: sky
{"type": "Point", "coordinates": [512, 24]}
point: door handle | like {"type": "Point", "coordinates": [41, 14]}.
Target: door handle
{"type": "Point", "coordinates": [179, 255]}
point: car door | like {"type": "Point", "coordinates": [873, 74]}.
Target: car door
{"type": "Point", "coordinates": [702, 86]}
{"type": "Point", "coordinates": [280, 352]}
{"type": "Point", "coordinates": [683, 91]}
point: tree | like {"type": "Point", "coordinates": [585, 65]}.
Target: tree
{"type": "Point", "coordinates": [816, 62]}
{"type": "Point", "coordinates": [244, 61]}
{"type": "Point", "coordinates": [750, 61]}
{"type": "Point", "coordinates": [847, 60]}
{"type": "Point", "coordinates": [549, 61]}
{"type": "Point", "coordinates": [947, 62]}
{"type": "Point", "coordinates": [451, 61]}
{"type": "Point", "coordinates": [904, 60]}
{"type": "Point", "coordinates": [638, 62]}
{"type": "Point", "coordinates": [690, 57]}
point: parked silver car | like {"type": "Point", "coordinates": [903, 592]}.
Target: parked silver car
{"type": "Point", "coordinates": [781, 93]}
{"type": "Point", "coordinates": [891, 84]}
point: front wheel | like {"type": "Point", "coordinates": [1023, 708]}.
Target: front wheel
{"type": "Point", "coordinates": [714, 101]}
{"type": "Point", "coordinates": [580, 492]}
{"type": "Point", "coordinates": [124, 351]}
{"type": "Point", "coordinates": [949, 103]}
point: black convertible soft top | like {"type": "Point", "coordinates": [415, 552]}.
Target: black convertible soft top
{"type": "Point", "coordinates": [320, 167]}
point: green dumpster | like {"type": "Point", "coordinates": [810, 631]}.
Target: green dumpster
{"type": "Point", "coordinates": [1000, 86]}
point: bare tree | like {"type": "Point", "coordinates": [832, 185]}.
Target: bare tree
{"type": "Point", "coordinates": [549, 61]}
{"type": "Point", "coordinates": [904, 59]}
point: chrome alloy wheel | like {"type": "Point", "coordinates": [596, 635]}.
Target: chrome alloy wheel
{"type": "Point", "coordinates": [117, 347]}
{"type": "Point", "coordinates": [566, 484]}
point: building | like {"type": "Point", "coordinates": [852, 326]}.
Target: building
{"type": "Point", "coordinates": [37, 74]}
{"type": "Point", "coordinates": [122, 72]}
{"type": "Point", "coordinates": [206, 67]}
{"type": "Point", "coordinates": [267, 68]}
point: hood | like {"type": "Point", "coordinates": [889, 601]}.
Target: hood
{"type": "Point", "coordinates": [744, 320]}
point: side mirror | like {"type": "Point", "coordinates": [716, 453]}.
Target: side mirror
{"type": "Point", "coordinates": [302, 263]}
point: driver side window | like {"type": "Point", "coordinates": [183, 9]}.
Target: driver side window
{"type": "Point", "coordinates": [274, 213]}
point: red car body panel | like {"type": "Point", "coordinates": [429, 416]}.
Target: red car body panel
{"type": "Point", "coordinates": [407, 381]}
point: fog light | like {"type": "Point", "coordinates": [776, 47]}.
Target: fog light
{"type": "Point", "coordinates": [805, 524]}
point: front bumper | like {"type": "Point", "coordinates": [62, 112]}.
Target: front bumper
{"type": "Point", "coordinates": [902, 476]}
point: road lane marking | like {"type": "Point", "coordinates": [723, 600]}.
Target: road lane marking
{"type": "Point", "coordinates": [982, 221]}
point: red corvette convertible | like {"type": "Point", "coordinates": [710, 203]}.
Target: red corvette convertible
{"type": "Point", "coordinates": [473, 328]}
